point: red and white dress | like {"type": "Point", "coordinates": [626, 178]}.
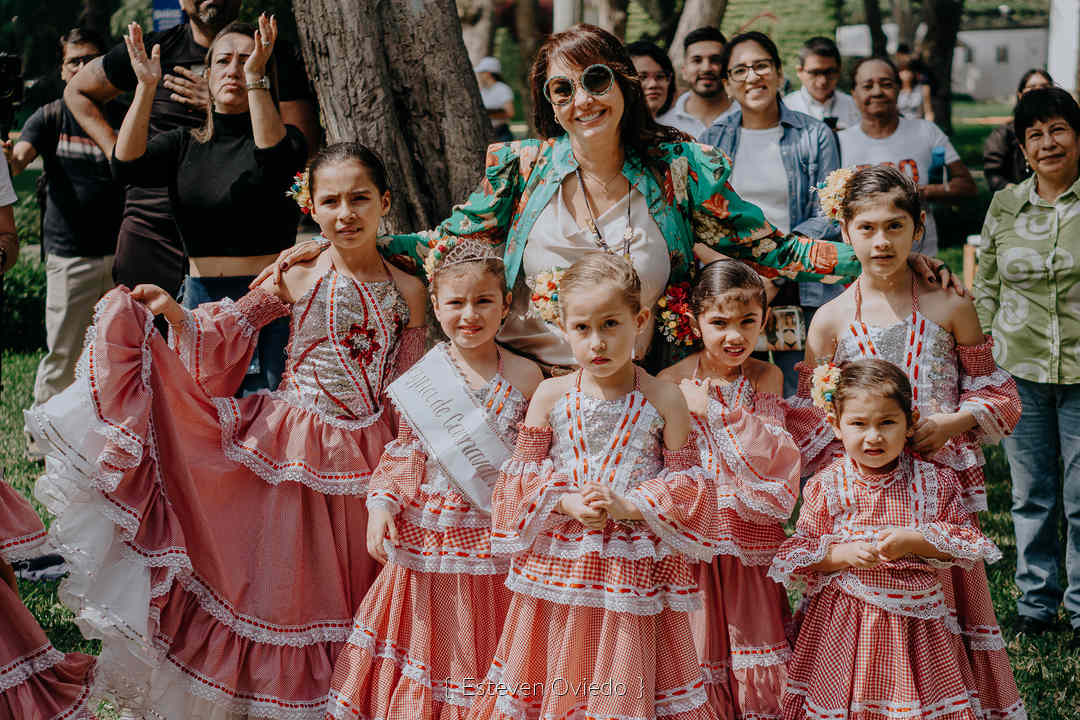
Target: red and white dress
{"type": "Point", "coordinates": [37, 681]}
{"type": "Point", "coordinates": [741, 630]}
{"type": "Point", "coordinates": [874, 644]}
{"type": "Point", "coordinates": [218, 544]}
{"type": "Point", "coordinates": [945, 377]}
{"type": "Point", "coordinates": [429, 624]}
{"type": "Point", "coordinates": [598, 625]}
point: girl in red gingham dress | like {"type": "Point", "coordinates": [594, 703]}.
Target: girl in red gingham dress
{"type": "Point", "coordinates": [603, 503]}
{"type": "Point", "coordinates": [430, 621]}
{"type": "Point", "coordinates": [739, 422]}
{"type": "Point", "coordinates": [933, 336]}
{"type": "Point", "coordinates": [874, 527]}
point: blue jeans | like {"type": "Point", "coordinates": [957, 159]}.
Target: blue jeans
{"type": "Point", "coordinates": [1048, 434]}
{"type": "Point", "coordinates": [268, 361]}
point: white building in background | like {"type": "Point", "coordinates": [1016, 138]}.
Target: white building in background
{"type": "Point", "coordinates": [1064, 46]}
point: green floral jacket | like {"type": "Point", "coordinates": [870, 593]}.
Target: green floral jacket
{"type": "Point", "coordinates": [688, 194]}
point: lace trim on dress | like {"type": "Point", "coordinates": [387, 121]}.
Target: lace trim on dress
{"type": "Point", "coordinates": [974, 383]}
{"type": "Point", "coordinates": [965, 552]}
{"type": "Point", "coordinates": [914, 709]}
{"type": "Point", "coordinates": [22, 668]}
{"type": "Point", "coordinates": [538, 517]}
{"type": "Point", "coordinates": [974, 500]}
{"type": "Point", "coordinates": [385, 500]}
{"type": "Point", "coordinates": [633, 543]}
{"type": "Point", "coordinates": [439, 560]}
{"type": "Point", "coordinates": [24, 546]}
{"type": "Point", "coordinates": [994, 429]}
{"type": "Point", "coordinates": [439, 514]}
{"type": "Point", "coordinates": [276, 472]}
{"type": "Point", "coordinates": [787, 563]}
{"type": "Point", "coordinates": [748, 656]}
{"type": "Point", "coordinates": [986, 638]}
{"type": "Point", "coordinates": [715, 673]}
{"type": "Point", "coordinates": [924, 604]}
{"type": "Point", "coordinates": [618, 598]}
{"type": "Point", "coordinates": [681, 539]}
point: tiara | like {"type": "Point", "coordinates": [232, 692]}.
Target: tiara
{"type": "Point", "coordinates": [452, 250]}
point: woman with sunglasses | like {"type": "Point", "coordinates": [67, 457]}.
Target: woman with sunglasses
{"type": "Point", "coordinates": [779, 156]}
{"type": "Point", "coordinates": [605, 177]}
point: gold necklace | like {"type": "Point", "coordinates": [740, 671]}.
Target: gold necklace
{"type": "Point", "coordinates": [594, 230]}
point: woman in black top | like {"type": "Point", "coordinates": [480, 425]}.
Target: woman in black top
{"type": "Point", "coordinates": [1003, 160]}
{"type": "Point", "coordinates": [227, 179]}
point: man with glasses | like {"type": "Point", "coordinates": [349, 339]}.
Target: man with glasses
{"type": "Point", "coordinates": [83, 206]}
{"type": "Point", "coordinates": [706, 102]}
{"type": "Point", "coordinates": [819, 72]}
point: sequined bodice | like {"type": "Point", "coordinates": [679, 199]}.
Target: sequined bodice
{"type": "Point", "coordinates": [618, 442]}
{"type": "Point", "coordinates": [924, 350]}
{"type": "Point", "coordinates": [343, 342]}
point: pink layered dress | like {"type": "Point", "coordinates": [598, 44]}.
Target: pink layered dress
{"type": "Point", "coordinates": [37, 681]}
{"type": "Point", "coordinates": [218, 544]}
{"type": "Point", "coordinates": [945, 377]}
{"type": "Point", "coordinates": [598, 625]}
{"type": "Point", "coordinates": [874, 643]}
{"type": "Point", "coordinates": [741, 629]}
{"type": "Point", "coordinates": [429, 625]}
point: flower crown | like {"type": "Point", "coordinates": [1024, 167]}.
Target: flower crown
{"type": "Point", "coordinates": [544, 301]}
{"type": "Point", "coordinates": [676, 318]}
{"type": "Point", "coordinates": [832, 192]}
{"type": "Point", "coordinates": [450, 250]}
{"type": "Point", "coordinates": [300, 191]}
{"type": "Point", "coordinates": [823, 387]}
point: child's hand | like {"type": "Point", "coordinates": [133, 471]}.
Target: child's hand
{"type": "Point", "coordinates": [932, 432]}
{"type": "Point", "coordinates": [574, 505]}
{"type": "Point", "coordinates": [380, 523]}
{"type": "Point", "coordinates": [697, 396]}
{"type": "Point", "coordinates": [895, 543]}
{"type": "Point", "coordinates": [159, 302]}
{"type": "Point", "coordinates": [858, 554]}
{"type": "Point", "coordinates": [599, 495]}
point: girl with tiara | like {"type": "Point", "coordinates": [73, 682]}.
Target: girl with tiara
{"type": "Point", "coordinates": [874, 527]}
{"type": "Point", "coordinates": [603, 501]}
{"type": "Point", "coordinates": [36, 679]}
{"type": "Point", "coordinates": [934, 336]}
{"type": "Point", "coordinates": [738, 417]}
{"type": "Point", "coordinates": [428, 625]}
{"type": "Point", "coordinates": [218, 544]}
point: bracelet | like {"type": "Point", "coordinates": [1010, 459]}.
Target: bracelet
{"type": "Point", "coordinates": [262, 83]}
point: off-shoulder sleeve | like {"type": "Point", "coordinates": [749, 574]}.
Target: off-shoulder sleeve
{"type": "Point", "coordinates": [526, 492]}
{"type": "Point", "coordinates": [217, 339]}
{"type": "Point", "coordinates": [953, 530]}
{"type": "Point", "coordinates": [485, 215]}
{"type": "Point", "coordinates": [400, 472]}
{"type": "Point", "coordinates": [762, 462]}
{"type": "Point", "coordinates": [812, 539]}
{"type": "Point", "coordinates": [735, 227]}
{"type": "Point", "coordinates": [680, 505]}
{"type": "Point", "coordinates": [809, 426]}
{"type": "Point", "coordinates": [987, 392]}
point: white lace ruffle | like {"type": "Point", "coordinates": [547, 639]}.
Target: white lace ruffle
{"type": "Point", "coordinates": [985, 638]}
{"type": "Point", "coordinates": [974, 500]}
{"type": "Point", "coordinates": [540, 518]}
{"type": "Point", "coordinates": [940, 536]}
{"type": "Point", "coordinates": [993, 431]}
{"type": "Point", "coordinates": [728, 546]}
{"type": "Point", "coordinates": [970, 384]}
{"type": "Point", "coordinates": [960, 455]}
{"type": "Point", "coordinates": [435, 515]}
{"type": "Point", "coordinates": [24, 546]}
{"type": "Point", "coordinates": [744, 657]}
{"type": "Point", "coordinates": [682, 540]}
{"type": "Point", "coordinates": [1016, 711]}
{"type": "Point", "coordinates": [387, 502]}
{"type": "Point", "coordinates": [909, 710]}
{"type": "Point", "coordinates": [21, 669]}
{"type": "Point", "coordinates": [289, 470]}
{"type": "Point", "coordinates": [623, 542]}
{"type": "Point", "coordinates": [789, 562]}
{"type": "Point", "coordinates": [626, 599]}
{"type": "Point", "coordinates": [715, 673]}
{"type": "Point", "coordinates": [445, 563]}
{"type": "Point", "coordinates": [925, 604]}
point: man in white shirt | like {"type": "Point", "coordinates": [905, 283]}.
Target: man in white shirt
{"type": "Point", "coordinates": [819, 71]}
{"type": "Point", "coordinates": [706, 102]}
{"type": "Point", "coordinates": [907, 143]}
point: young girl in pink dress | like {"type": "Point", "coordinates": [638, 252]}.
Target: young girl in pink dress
{"type": "Point", "coordinates": [874, 527]}
{"type": "Point", "coordinates": [430, 622]}
{"type": "Point", "coordinates": [37, 681]}
{"type": "Point", "coordinates": [738, 417]}
{"type": "Point", "coordinates": [218, 544]}
{"type": "Point", "coordinates": [603, 502]}
{"type": "Point", "coordinates": [934, 336]}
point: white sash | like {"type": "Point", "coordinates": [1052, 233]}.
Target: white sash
{"type": "Point", "coordinates": [451, 425]}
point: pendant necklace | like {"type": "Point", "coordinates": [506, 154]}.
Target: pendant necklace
{"type": "Point", "coordinates": [594, 229]}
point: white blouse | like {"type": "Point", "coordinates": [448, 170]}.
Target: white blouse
{"type": "Point", "coordinates": [557, 241]}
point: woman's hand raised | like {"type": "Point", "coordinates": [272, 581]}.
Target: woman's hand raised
{"type": "Point", "coordinates": [147, 69]}
{"type": "Point", "coordinates": [265, 37]}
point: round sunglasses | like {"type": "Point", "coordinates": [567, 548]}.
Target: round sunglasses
{"type": "Point", "coordinates": [596, 79]}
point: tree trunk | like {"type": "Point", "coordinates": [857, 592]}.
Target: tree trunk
{"type": "Point", "coordinates": [477, 27]}
{"type": "Point", "coordinates": [942, 24]}
{"type": "Point", "coordinates": [878, 41]}
{"type": "Point", "coordinates": [394, 75]}
{"type": "Point", "coordinates": [527, 27]}
{"type": "Point", "coordinates": [611, 15]}
{"type": "Point", "coordinates": [903, 14]}
{"type": "Point", "coordinates": [695, 14]}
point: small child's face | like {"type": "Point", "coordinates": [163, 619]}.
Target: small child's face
{"type": "Point", "coordinates": [882, 236]}
{"type": "Point", "coordinates": [601, 328]}
{"type": "Point", "coordinates": [730, 325]}
{"type": "Point", "coordinates": [872, 428]}
{"type": "Point", "coordinates": [469, 306]}
{"type": "Point", "coordinates": [347, 204]}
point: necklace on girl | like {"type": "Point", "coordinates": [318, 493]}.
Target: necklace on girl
{"type": "Point", "coordinates": [594, 229]}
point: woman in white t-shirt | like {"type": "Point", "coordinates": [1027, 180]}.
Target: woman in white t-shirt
{"type": "Point", "coordinates": [497, 96]}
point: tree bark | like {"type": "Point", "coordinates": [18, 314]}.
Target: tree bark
{"type": "Point", "coordinates": [394, 75]}
{"type": "Point", "coordinates": [611, 15]}
{"type": "Point", "coordinates": [878, 41]}
{"type": "Point", "coordinates": [477, 27]}
{"type": "Point", "coordinates": [942, 25]}
{"type": "Point", "coordinates": [695, 14]}
{"type": "Point", "coordinates": [527, 28]}
{"type": "Point", "coordinates": [903, 14]}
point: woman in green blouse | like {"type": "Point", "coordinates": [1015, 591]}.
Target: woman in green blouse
{"type": "Point", "coordinates": [1027, 294]}
{"type": "Point", "coordinates": [606, 177]}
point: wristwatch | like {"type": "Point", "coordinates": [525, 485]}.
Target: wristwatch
{"type": "Point", "coordinates": [262, 83]}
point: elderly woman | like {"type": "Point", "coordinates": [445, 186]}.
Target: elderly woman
{"type": "Point", "coordinates": [656, 73]}
{"type": "Point", "coordinates": [1026, 294]}
{"type": "Point", "coordinates": [605, 177]}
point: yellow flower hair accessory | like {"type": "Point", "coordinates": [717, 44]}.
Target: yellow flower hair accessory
{"type": "Point", "coordinates": [823, 387]}
{"type": "Point", "coordinates": [544, 301]}
{"type": "Point", "coordinates": [300, 191]}
{"type": "Point", "coordinates": [832, 192]}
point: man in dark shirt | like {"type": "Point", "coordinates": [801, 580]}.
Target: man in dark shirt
{"type": "Point", "coordinates": [83, 207]}
{"type": "Point", "coordinates": [148, 247]}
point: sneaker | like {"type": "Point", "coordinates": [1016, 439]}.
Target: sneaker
{"type": "Point", "coordinates": [1034, 626]}
{"type": "Point", "coordinates": [42, 568]}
